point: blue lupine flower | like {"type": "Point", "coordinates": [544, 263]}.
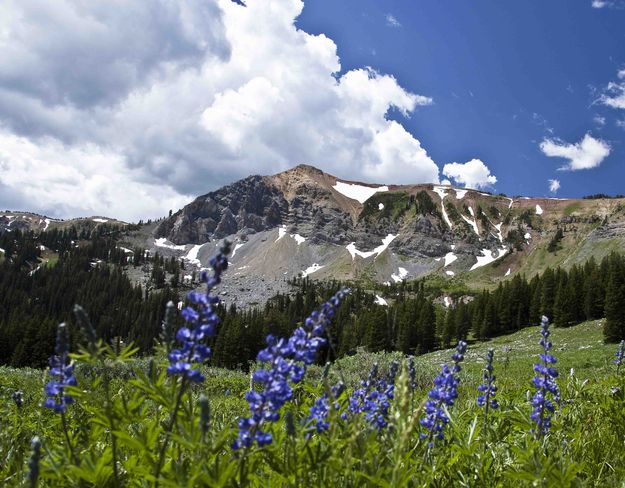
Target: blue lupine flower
{"type": "Point", "coordinates": [443, 395]}
{"type": "Point", "coordinates": [201, 323]}
{"type": "Point", "coordinates": [412, 374]}
{"type": "Point", "coordinates": [321, 408]}
{"type": "Point", "coordinates": [488, 390]}
{"type": "Point", "coordinates": [62, 372]}
{"type": "Point", "coordinates": [619, 355]}
{"type": "Point", "coordinates": [374, 396]}
{"type": "Point", "coordinates": [287, 359]}
{"type": "Point", "coordinates": [545, 384]}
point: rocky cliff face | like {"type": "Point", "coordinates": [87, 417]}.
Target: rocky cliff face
{"type": "Point", "coordinates": [306, 222]}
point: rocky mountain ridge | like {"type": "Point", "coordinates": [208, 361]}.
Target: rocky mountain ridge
{"type": "Point", "coordinates": [304, 222]}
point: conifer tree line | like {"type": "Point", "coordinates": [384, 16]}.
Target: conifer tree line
{"type": "Point", "coordinates": [35, 297]}
{"type": "Point", "coordinates": [90, 271]}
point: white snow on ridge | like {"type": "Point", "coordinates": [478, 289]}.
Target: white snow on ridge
{"type": "Point", "coordinates": [499, 234]}
{"type": "Point", "coordinates": [281, 232]}
{"type": "Point", "coordinates": [2, 250]}
{"type": "Point", "coordinates": [397, 278]}
{"type": "Point", "coordinates": [126, 250]}
{"type": "Point", "coordinates": [528, 236]}
{"type": "Point", "coordinates": [450, 257]}
{"type": "Point", "coordinates": [442, 192]}
{"type": "Point", "coordinates": [450, 273]}
{"type": "Point", "coordinates": [471, 222]}
{"type": "Point", "coordinates": [508, 272]}
{"type": "Point", "coordinates": [460, 193]}
{"type": "Point", "coordinates": [311, 269]}
{"type": "Point", "coordinates": [380, 206]}
{"type": "Point", "coordinates": [239, 245]}
{"type": "Point", "coordinates": [539, 210]}
{"type": "Point", "coordinates": [380, 301]}
{"type": "Point", "coordinates": [447, 302]}
{"type": "Point", "coordinates": [360, 193]}
{"type": "Point", "coordinates": [162, 242]}
{"type": "Point", "coordinates": [192, 254]}
{"type": "Point", "coordinates": [101, 221]}
{"type": "Point", "coordinates": [487, 257]}
{"type": "Point", "coordinates": [367, 254]}
{"type": "Point", "coordinates": [299, 239]}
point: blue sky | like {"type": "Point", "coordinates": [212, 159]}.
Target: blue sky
{"type": "Point", "coordinates": [503, 76]}
{"type": "Point", "coordinates": [130, 109]}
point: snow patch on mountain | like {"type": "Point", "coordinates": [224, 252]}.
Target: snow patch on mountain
{"type": "Point", "coordinates": [351, 248]}
{"type": "Point", "coordinates": [311, 269]}
{"type": "Point", "coordinates": [487, 257]}
{"type": "Point", "coordinates": [380, 301]}
{"type": "Point", "coordinates": [360, 193]}
{"type": "Point", "coordinates": [162, 242]}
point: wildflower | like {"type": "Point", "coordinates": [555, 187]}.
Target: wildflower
{"type": "Point", "coordinates": [620, 355]}
{"type": "Point", "coordinates": [443, 395]}
{"type": "Point", "coordinates": [321, 408]}
{"type": "Point", "coordinates": [18, 398]}
{"type": "Point", "coordinates": [33, 463]}
{"type": "Point", "coordinates": [488, 390]}
{"type": "Point", "coordinates": [374, 396]}
{"type": "Point", "coordinates": [412, 374]}
{"type": "Point", "coordinates": [287, 359]}
{"type": "Point", "coordinates": [545, 384]}
{"type": "Point", "coordinates": [201, 323]}
{"type": "Point", "coordinates": [61, 371]}
{"type": "Point", "coordinates": [204, 414]}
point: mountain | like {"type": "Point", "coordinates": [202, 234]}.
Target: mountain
{"type": "Point", "coordinates": [28, 221]}
{"type": "Point", "coordinates": [304, 222]}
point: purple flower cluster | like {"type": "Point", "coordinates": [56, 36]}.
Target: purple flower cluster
{"type": "Point", "coordinates": [545, 384]}
{"type": "Point", "coordinates": [320, 410]}
{"type": "Point", "coordinates": [412, 374]}
{"type": "Point", "coordinates": [374, 396]}
{"type": "Point", "coordinates": [443, 395]}
{"type": "Point", "coordinates": [619, 355]}
{"type": "Point", "coordinates": [201, 322]}
{"type": "Point", "coordinates": [488, 390]}
{"type": "Point", "coordinates": [287, 359]}
{"type": "Point", "coordinates": [62, 372]}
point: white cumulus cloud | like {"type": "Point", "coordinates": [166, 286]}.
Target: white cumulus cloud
{"type": "Point", "coordinates": [472, 174]}
{"type": "Point", "coordinates": [614, 94]}
{"type": "Point", "coordinates": [554, 185]}
{"type": "Point", "coordinates": [392, 21]}
{"type": "Point", "coordinates": [586, 154]}
{"type": "Point", "coordinates": [179, 98]}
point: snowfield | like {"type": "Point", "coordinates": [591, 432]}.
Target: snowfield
{"type": "Point", "coordinates": [360, 193]}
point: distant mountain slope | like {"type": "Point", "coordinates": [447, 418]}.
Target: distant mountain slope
{"type": "Point", "coordinates": [305, 221]}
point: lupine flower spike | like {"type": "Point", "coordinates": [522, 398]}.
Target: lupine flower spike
{"type": "Point", "coordinates": [545, 384]}
{"type": "Point", "coordinates": [33, 463]}
{"type": "Point", "coordinates": [374, 396]}
{"type": "Point", "coordinates": [62, 372]}
{"type": "Point", "coordinates": [287, 360]}
{"type": "Point", "coordinates": [443, 395]}
{"type": "Point", "coordinates": [320, 410]}
{"type": "Point", "coordinates": [619, 355]}
{"type": "Point", "coordinates": [488, 390]}
{"type": "Point", "coordinates": [201, 322]}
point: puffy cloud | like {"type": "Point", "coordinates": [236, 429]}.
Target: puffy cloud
{"type": "Point", "coordinates": [392, 21]}
{"type": "Point", "coordinates": [78, 181]}
{"type": "Point", "coordinates": [614, 94]}
{"type": "Point", "coordinates": [472, 174]}
{"type": "Point", "coordinates": [617, 4]}
{"type": "Point", "coordinates": [586, 154]}
{"type": "Point", "coordinates": [554, 185]}
{"type": "Point", "coordinates": [179, 98]}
